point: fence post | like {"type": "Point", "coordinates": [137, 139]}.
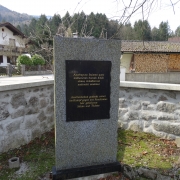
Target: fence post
{"type": "Point", "coordinates": [9, 70]}
{"type": "Point", "coordinates": [23, 70]}
{"type": "Point", "coordinates": [39, 67]}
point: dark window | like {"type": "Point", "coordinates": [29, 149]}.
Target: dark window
{"type": "Point", "coordinates": [8, 60]}
{"type": "Point", "coordinates": [1, 59]}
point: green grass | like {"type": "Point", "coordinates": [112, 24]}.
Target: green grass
{"type": "Point", "coordinates": [39, 155]}
{"type": "Point", "coordinates": [142, 149]}
{"type": "Point", "coordinates": [134, 148]}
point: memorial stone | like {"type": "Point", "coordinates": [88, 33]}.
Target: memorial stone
{"type": "Point", "coordinates": [86, 106]}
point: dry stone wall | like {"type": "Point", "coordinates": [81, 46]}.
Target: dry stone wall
{"type": "Point", "coordinates": [25, 114]}
{"type": "Point", "coordinates": [150, 110]}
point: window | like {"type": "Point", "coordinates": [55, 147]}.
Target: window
{"type": "Point", "coordinates": [12, 42]}
{"type": "Point", "coordinates": [8, 60]}
{"type": "Point", "coordinates": [1, 59]}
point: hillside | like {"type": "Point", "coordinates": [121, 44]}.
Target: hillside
{"type": "Point", "coordinates": [13, 17]}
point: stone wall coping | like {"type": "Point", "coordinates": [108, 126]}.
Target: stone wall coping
{"type": "Point", "coordinates": [5, 86]}
{"type": "Point", "coordinates": [12, 83]}
{"type": "Point", "coordinates": [145, 85]}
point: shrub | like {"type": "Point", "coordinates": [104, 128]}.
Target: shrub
{"type": "Point", "coordinates": [38, 60]}
{"type": "Point", "coordinates": [24, 59]}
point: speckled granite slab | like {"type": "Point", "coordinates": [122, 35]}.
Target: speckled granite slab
{"type": "Point", "coordinates": [89, 142]}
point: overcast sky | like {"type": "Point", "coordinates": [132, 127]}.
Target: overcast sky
{"type": "Point", "coordinates": [161, 11]}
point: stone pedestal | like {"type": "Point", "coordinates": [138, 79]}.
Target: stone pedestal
{"type": "Point", "coordinates": [87, 143]}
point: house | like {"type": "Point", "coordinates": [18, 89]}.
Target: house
{"type": "Point", "coordinates": [12, 43]}
{"type": "Point", "coordinates": [150, 56]}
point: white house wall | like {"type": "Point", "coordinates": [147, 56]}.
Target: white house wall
{"type": "Point", "coordinates": [126, 60]}
{"type": "Point", "coordinates": [7, 34]}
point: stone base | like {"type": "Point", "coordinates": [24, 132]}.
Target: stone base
{"type": "Point", "coordinates": [85, 171]}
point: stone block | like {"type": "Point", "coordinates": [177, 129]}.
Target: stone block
{"type": "Point", "coordinates": [170, 94]}
{"type": "Point", "coordinates": [27, 135]}
{"type": "Point", "coordinates": [12, 126]}
{"type": "Point", "coordinates": [18, 100]}
{"type": "Point", "coordinates": [31, 110]}
{"type": "Point", "coordinates": [167, 127]}
{"type": "Point", "coordinates": [30, 122]}
{"type": "Point", "coordinates": [50, 109]}
{"type": "Point", "coordinates": [136, 106]}
{"type": "Point", "coordinates": [166, 106]}
{"type": "Point", "coordinates": [1, 131]}
{"type": "Point", "coordinates": [1, 143]}
{"type": "Point", "coordinates": [124, 118]}
{"type": "Point", "coordinates": [165, 116]}
{"type": "Point", "coordinates": [121, 100]}
{"type": "Point", "coordinates": [133, 115]}
{"type": "Point", "coordinates": [147, 124]}
{"type": "Point", "coordinates": [136, 125]}
{"type": "Point", "coordinates": [4, 113]}
{"type": "Point", "coordinates": [152, 95]}
{"type": "Point", "coordinates": [50, 119]}
{"type": "Point", "coordinates": [36, 132]}
{"type": "Point", "coordinates": [36, 90]}
{"type": "Point", "coordinates": [145, 103]}
{"type": "Point", "coordinates": [18, 113]}
{"type": "Point", "coordinates": [33, 101]}
{"type": "Point", "coordinates": [177, 114]}
{"type": "Point", "coordinates": [13, 140]}
{"type": "Point", "coordinates": [129, 172]}
{"type": "Point", "coordinates": [151, 107]}
{"type": "Point", "coordinates": [52, 98]}
{"type": "Point", "coordinates": [44, 127]}
{"type": "Point", "coordinates": [122, 111]}
{"type": "Point", "coordinates": [41, 116]}
{"type": "Point", "coordinates": [43, 103]}
{"type": "Point", "coordinates": [162, 98]}
{"type": "Point", "coordinates": [147, 173]}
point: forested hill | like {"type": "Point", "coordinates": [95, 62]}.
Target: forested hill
{"type": "Point", "coordinates": [6, 15]}
{"type": "Point", "coordinates": [98, 26]}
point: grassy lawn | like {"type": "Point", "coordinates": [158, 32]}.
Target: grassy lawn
{"type": "Point", "coordinates": [134, 148]}
{"type": "Point", "coordinates": [38, 156]}
{"type": "Point", "coordinates": [142, 149]}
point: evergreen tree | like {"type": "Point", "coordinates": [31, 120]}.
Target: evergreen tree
{"type": "Point", "coordinates": [66, 20]}
{"type": "Point", "coordinates": [155, 34]}
{"type": "Point", "coordinates": [142, 30]}
{"type": "Point", "coordinates": [54, 23]}
{"type": "Point", "coordinates": [112, 29]}
{"type": "Point", "coordinates": [163, 31]}
{"type": "Point", "coordinates": [96, 24]}
{"type": "Point", "coordinates": [32, 26]}
{"type": "Point", "coordinates": [25, 29]}
{"type": "Point", "coordinates": [79, 23]}
{"type": "Point", "coordinates": [177, 31]}
{"type": "Point", "coordinates": [19, 27]}
{"type": "Point", "coordinates": [126, 32]}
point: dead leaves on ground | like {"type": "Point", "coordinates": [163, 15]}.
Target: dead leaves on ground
{"type": "Point", "coordinates": [169, 148]}
{"type": "Point", "coordinates": [115, 177]}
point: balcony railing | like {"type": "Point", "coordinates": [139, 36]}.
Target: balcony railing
{"type": "Point", "coordinates": [11, 51]}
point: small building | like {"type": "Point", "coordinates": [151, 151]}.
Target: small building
{"type": "Point", "coordinates": [150, 56]}
{"type": "Point", "coordinates": [12, 43]}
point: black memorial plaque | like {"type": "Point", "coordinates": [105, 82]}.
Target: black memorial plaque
{"type": "Point", "coordinates": [87, 90]}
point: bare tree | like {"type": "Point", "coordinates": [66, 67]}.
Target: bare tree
{"type": "Point", "coordinates": [127, 9]}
